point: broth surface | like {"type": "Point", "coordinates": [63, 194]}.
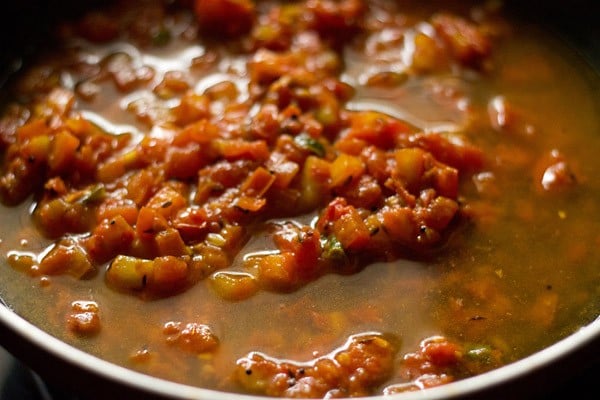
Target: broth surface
{"type": "Point", "coordinates": [516, 270]}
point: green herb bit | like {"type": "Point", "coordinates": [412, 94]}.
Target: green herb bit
{"type": "Point", "coordinates": [307, 142]}
{"type": "Point", "coordinates": [481, 354]}
{"type": "Point", "coordinates": [93, 194]}
{"type": "Point", "coordinates": [332, 249]}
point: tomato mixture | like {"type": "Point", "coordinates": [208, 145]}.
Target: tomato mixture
{"type": "Point", "coordinates": [258, 157]}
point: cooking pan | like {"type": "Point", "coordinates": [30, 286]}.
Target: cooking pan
{"type": "Point", "coordinates": [25, 28]}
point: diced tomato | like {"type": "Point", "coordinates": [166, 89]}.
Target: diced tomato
{"type": "Point", "coordinates": [451, 149]}
{"type": "Point", "coordinates": [466, 41]}
{"type": "Point", "coordinates": [234, 149]}
{"type": "Point", "coordinates": [441, 353]}
{"type": "Point", "coordinates": [62, 151]}
{"type": "Point", "coordinates": [283, 170]}
{"type": "Point", "coordinates": [228, 17]}
{"type": "Point", "coordinates": [202, 132]}
{"type": "Point", "coordinates": [376, 128]}
{"type": "Point", "coordinates": [276, 271]}
{"type": "Point", "coordinates": [344, 221]}
{"type": "Point", "coordinates": [109, 238]}
{"type": "Point", "coordinates": [149, 222]}
{"type": "Point", "coordinates": [66, 258]}
{"type": "Point", "coordinates": [258, 182]}
{"type": "Point", "coordinates": [169, 274]}
{"type": "Point", "coordinates": [399, 224]}
{"type": "Point", "coordinates": [112, 207]}
{"type": "Point", "coordinates": [194, 338]}
{"type": "Point", "coordinates": [167, 201]}
{"type": "Point", "coordinates": [191, 108]}
{"type": "Point", "coordinates": [84, 318]}
{"type": "Point", "coordinates": [345, 169]}
{"type": "Point", "coordinates": [305, 245]}
{"type": "Point", "coordinates": [234, 286]}
{"type": "Point", "coordinates": [314, 182]}
{"type": "Point", "coordinates": [36, 127]}
{"type": "Point", "coordinates": [170, 243]}
{"type": "Point", "coordinates": [184, 162]}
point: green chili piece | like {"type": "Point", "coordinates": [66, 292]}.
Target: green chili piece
{"type": "Point", "coordinates": [306, 142]}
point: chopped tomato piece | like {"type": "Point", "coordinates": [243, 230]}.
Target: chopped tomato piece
{"type": "Point", "coordinates": [228, 17]}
